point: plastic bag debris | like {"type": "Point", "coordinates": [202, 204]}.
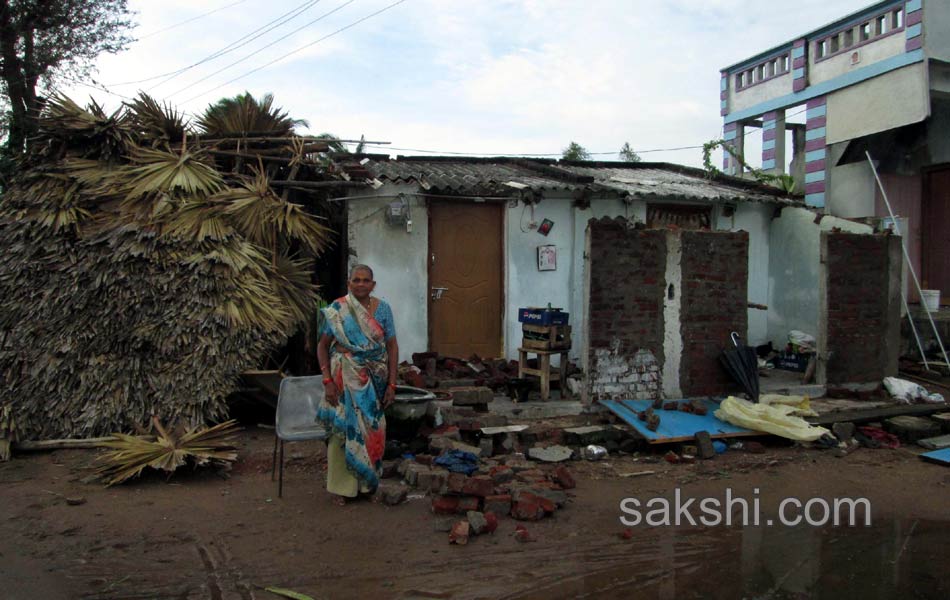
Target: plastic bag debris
{"type": "Point", "coordinates": [909, 392]}
{"type": "Point", "coordinates": [777, 419]}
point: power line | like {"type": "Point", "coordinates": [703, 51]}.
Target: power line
{"type": "Point", "coordinates": [261, 49]}
{"type": "Point", "coordinates": [185, 22]}
{"type": "Point", "coordinates": [452, 153]}
{"type": "Point", "coordinates": [238, 43]}
{"type": "Point", "coordinates": [305, 46]}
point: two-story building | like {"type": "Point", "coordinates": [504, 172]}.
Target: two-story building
{"type": "Point", "coordinates": [876, 81]}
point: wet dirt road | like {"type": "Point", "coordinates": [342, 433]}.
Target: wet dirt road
{"type": "Point", "coordinates": [203, 537]}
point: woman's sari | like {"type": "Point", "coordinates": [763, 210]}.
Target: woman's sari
{"type": "Point", "coordinates": [359, 369]}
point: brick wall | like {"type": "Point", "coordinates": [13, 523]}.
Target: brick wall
{"type": "Point", "coordinates": [625, 309]}
{"type": "Point", "coordinates": [715, 276]}
{"type": "Point", "coordinates": [860, 308]}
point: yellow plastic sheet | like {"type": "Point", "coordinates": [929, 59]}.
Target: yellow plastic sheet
{"type": "Point", "coordinates": [775, 417]}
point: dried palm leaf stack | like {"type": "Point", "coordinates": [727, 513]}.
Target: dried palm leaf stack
{"type": "Point", "coordinates": [167, 450]}
{"type": "Point", "coordinates": [138, 276]}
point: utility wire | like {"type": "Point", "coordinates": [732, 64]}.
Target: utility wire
{"type": "Point", "coordinates": [305, 46]}
{"type": "Point", "coordinates": [185, 22]}
{"type": "Point", "coordinates": [262, 48]}
{"type": "Point", "coordinates": [238, 43]}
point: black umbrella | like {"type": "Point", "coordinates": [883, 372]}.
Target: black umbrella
{"type": "Point", "coordinates": [742, 364]}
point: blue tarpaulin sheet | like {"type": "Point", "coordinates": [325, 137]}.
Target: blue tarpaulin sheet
{"type": "Point", "coordinates": [675, 425]}
{"type": "Point", "coordinates": [938, 456]}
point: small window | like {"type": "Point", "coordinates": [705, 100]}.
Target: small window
{"type": "Point", "coordinates": [835, 44]}
{"type": "Point", "coordinates": [898, 18]}
{"type": "Point", "coordinates": [785, 64]}
{"type": "Point", "coordinates": [821, 48]}
{"type": "Point", "coordinates": [750, 77]}
{"type": "Point", "coordinates": [739, 81]}
{"type": "Point", "coordinates": [865, 32]}
{"type": "Point", "coordinates": [849, 38]}
{"type": "Point", "coordinates": [760, 73]}
{"type": "Point", "coordinates": [881, 25]}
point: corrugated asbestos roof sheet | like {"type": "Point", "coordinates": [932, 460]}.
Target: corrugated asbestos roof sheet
{"type": "Point", "coordinates": [656, 181]}
{"type": "Point", "coordinates": [490, 176]}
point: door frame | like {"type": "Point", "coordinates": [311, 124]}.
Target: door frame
{"type": "Point", "coordinates": [502, 266]}
{"type": "Point", "coordinates": [925, 173]}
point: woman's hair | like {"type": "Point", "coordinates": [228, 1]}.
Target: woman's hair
{"type": "Point", "coordinates": [361, 268]}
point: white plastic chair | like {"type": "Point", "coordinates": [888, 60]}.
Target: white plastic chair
{"type": "Point", "coordinates": [296, 417]}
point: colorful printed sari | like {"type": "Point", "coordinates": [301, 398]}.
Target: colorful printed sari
{"type": "Point", "coordinates": [359, 370]}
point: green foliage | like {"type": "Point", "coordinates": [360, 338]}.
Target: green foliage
{"type": "Point", "coordinates": [627, 154]}
{"type": "Point", "coordinates": [42, 42]}
{"type": "Point", "coordinates": [575, 151]}
{"type": "Point", "coordinates": [781, 180]}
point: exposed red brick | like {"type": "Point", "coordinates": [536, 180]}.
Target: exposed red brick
{"type": "Point", "coordinates": [564, 478]}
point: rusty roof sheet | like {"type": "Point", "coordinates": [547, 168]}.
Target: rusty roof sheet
{"type": "Point", "coordinates": [492, 176]}
{"type": "Point", "coordinates": [664, 181]}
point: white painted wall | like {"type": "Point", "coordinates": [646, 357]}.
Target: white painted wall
{"type": "Point", "coordinates": [758, 93]}
{"type": "Point", "coordinates": [838, 65]}
{"type": "Point", "coordinates": [398, 260]}
{"type": "Point", "coordinates": [756, 219]}
{"type": "Point", "coordinates": [890, 100]}
{"type": "Point", "coordinates": [936, 26]}
{"type": "Point", "coordinates": [526, 285]}
{"type": "Point", "coordinates": [851, 187]}
{"type": "Point", "coordinates": [794, 271]}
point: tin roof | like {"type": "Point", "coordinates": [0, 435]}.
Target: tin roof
{"type": "Point", "coordinates": [504, 177]}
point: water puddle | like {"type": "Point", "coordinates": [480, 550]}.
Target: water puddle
{"type": "Point", "coordinates": [897, 559]}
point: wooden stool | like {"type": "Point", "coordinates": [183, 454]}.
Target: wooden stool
{"type": "Point", "coordinates": [544, 369]}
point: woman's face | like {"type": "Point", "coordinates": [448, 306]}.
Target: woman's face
{"type": "Point", "coordinates": [361, 284]}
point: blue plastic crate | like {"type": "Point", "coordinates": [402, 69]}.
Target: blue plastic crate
{"type": "Point", "coordinates": [543, 316]}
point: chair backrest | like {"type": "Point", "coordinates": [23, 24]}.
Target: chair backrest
{"type": "Point", "coordinates": [297, 408]}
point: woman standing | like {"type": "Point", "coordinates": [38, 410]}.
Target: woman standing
{"type": "Point", "coordinates": [358, 357]}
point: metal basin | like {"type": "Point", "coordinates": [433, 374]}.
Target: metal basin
{"type": "Point", "coordinates": [411, 403]}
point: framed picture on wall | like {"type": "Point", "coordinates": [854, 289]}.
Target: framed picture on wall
{"type": "Point", "coordinates": [547, 258]}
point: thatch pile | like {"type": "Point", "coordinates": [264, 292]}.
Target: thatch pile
{"type": "Point", "coordinates": [138, 276]}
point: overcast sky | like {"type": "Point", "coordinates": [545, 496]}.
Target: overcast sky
{"type": "Point", "coordinates": [468, 76]}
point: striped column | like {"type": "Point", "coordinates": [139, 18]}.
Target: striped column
{"type": "Point", "coordinates": [914, 25]}
{"type": "Point", "coordinates": [734, 136]}
{"type": "Point", "coordinates": [724, 93]}
{"type": "Point", "coordinates": [773, 141]}
{"type": "Point", "coordinates": [815, 153]}
{"type": "Point", "coordinates": [799, 65]}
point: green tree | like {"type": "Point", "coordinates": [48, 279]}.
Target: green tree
{"type": "Point", "coordinates": [627, 154]}
{"type": "Point", "coordinates": [575, 151]}
{"type": "Point", "coordinates": [44, 41]}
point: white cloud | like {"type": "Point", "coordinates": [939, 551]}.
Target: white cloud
{"type": "Point", "coordinates": [493, 76]}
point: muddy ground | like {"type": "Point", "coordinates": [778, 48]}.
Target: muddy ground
{"type": "Point", "coordinates": [200, 535]}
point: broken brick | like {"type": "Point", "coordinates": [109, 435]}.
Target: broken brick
{"type": "Point", "coordinates": [564, 478]}
{"type": "Point", "coordinates": [460, 532]}
{"type": "Point", "coordinates": [499, 504]}
{"type": "Point", "coordinates": [525, 510]}
{"type": "Point", "coordinates": [445, 505]}
{"type": "Point", "coordinates": [455, 483]}
{"type": "Point", "coordinates": [479, 485]}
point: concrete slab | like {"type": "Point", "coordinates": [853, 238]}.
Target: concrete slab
{"type": "Point", "coordinates": [536, 410]}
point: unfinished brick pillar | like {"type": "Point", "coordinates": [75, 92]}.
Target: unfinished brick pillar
{"type": "Point", "coordinates": [624, 310]}
{"type": "Point", "coordinates": [859, 309]}
{"type": "Point", "coordinates": [661, 305]}
{"type": "Point", "coordinates": [715, 281]}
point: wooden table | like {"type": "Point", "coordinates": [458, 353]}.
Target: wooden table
{"type": "Point", "coordinates": [544, 369]}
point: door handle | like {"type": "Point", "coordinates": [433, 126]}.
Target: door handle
{"type": "Point", "coordinates": [438, 291]}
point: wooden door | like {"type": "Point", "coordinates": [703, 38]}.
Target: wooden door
{"type": "Point", "coordinates": [465, 275]}
{"type": "Point", "coordinates": [935, 225]}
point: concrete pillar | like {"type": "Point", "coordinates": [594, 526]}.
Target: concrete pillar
{"type": "Point", "coordinates": [735, 137]}
{"type": "Point", "coordinates": [773, 142]}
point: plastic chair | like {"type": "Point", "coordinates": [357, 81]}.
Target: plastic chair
{"type": "Point", "coordinates": [296, 417]}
